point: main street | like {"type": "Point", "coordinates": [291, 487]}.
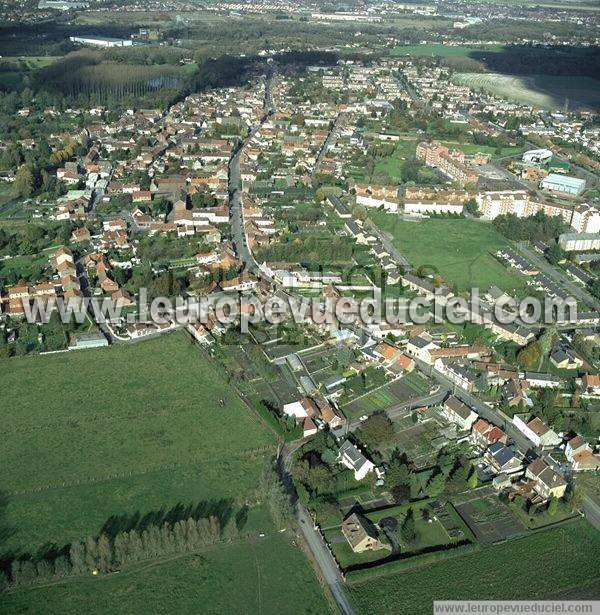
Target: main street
{"type": "Point", "coordinates": [320, 553]}
{"type": "Point", "coordinates": [236, 211]}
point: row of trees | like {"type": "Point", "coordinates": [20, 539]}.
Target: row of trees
{"type": "Point", "coordinates": [105, 554]}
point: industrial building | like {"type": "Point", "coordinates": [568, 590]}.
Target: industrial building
{"type": "Point", "coordinates": [579, 242]}
{"type": "Point", "coordinates": [101, 41]}
{"type": "Point", "coordinates": [563, 184]}
{"type": "Point", "coordinates": [61, 5]}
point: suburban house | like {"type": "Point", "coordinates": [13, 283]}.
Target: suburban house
{"type": "Point", "coordinates": [458, 413]}
{"type": "Point", "coordinates": [483, 434]}
{"type": "Point", "coordinates": [514, 394]}
{"type": "Point", "coordinates": [361, 534]}
{"type": "Point", "coordinates": [309, 427]}
{"type": "Point", "coordinates": [537, 380]}
{"type": "Point", "coordinates": [581, 455]}
{"type": "Point", "coordinates": [301, 409]}
{"type": "Point", "coordinates": [536, 431]}
{"type": "Point", "coordinates": [547, 482]}
{"type": "Point", "coordinates": [565, 358]}
{"type": "Point", "coordinates": [591, 384]}
{"type": "Point", "coordinates": [503, 459]}
{"type": "Point", "coordinates": [420, 347]}
{"type": "Point", "coordinates": [246, 281]}
{"type": "Point", "coordinates": [457, 373]}
{"type": "Point", "coordinates": [311, 413]}
{"type": "Point", "coordinates": [352, 458]}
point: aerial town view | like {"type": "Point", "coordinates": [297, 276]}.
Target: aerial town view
{"type": "Point", "coordinates": [299, 306]}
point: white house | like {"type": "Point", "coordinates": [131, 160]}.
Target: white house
{"type": "Point", "coordinates": [301, 409]}
{"type": "Point", "coordinates": [458, 413]}
{"type": "Point", "coordinates": [351, 457]}
{"type": "Point", "coordinates": [536, 431]}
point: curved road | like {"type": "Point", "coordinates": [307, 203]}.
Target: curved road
{"type": "Point", "coordinates": [321, 554]}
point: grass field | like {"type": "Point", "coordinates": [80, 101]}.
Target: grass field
{"type": "Point", "coordinates": [120, 430]}
{"type": "Point", "coordinates": [444, 51]}
{"type": "Point", "coordinates": [502, 572]}
{"type": "Point", "coordinates": [460, 249]}
{"type": "Point", "coordinates": [546, 92]}
{"type": "Point", "coordinates": [471, 148]}
{"type": "Point", "coordinates": [237, 578]}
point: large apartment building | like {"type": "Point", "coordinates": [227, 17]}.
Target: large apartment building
{"type": "Point", "coordinates": [450, 162]}
{"type": "Point", "coordinates": [582, 218]}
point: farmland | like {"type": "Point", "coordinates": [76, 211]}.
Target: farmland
{"type": "Point", "coordinates": [256, 576]}
{"type": "Point", "coordinates": [459, 249]}
{"type": "Point", "coordinates": [499, 572]}
{"type": "Point", "coordinates": [143, 429]}
{"type": "Point", "coordinates": [544, 91]}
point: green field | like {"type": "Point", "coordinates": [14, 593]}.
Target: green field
{"type": "Point", "coordinates": [444, 51]}
{"type": "Point", "coordinates": [501, 572]}
{"type": "Point", "coordinates": [543, 91]}
{"type": "Point", "coordinates": [261, 576]}
{"type": "Point", "coordinates": [471, 149]}
{"type": "Point", "coordinates": [459, 249]}
{"type": "Point", "coordinates": [121, 430]}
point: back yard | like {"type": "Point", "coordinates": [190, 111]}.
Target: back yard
{"type": "Point", "coordinates": [500, 572]}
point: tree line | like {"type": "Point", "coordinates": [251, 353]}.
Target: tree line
{"type": "Point", "coordinates": [103, 554]}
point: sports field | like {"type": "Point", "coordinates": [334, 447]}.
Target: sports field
{"type": "Point", "coordinates": [503, 572]}
{"type": "Point", "coordinates": [264, 576]}
{"type": "Point", "coordinates": [118, 431]}
{"type": "Point", "coordinates": [459, 249]}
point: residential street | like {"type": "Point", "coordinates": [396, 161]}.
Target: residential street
{"type": "Point", "coordinates": [321, 555]}
{"type": "Point", "coordinates": [318, 548]}
{"type": "Point", "coordinates": [560, 277]}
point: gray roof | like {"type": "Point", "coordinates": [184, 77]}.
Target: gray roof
{"type": "Point", "coordinates": [501, 453]}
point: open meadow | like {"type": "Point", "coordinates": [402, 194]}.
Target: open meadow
{"type": "Point", "coordinates": [460, 249]}
{"type": "Point", "coordinates": [260, 576]}
{"type": "Point", "coordinates": [503, 571]}
{"type": "Point", "coordinates": [124, 430]}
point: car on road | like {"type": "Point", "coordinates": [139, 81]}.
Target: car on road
{"type": "Point", "coordinates": [363, 418]}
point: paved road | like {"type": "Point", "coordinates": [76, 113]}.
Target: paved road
{"type": "Point", "coordinates": [317, 546]}
{"type": "Point", "coordinates": [489, 414]}
{"type": "Point", "coordinates": [591, 508]}
{"type": "Point", "coordinates": [236, 215]}
{"type": "Point", "coordinates": [332, 134]}
{"type": "Point", "coordinates": [558, 276]}
{"type": "Point", "coordinates": [388, 245]}
{"type": "Point", "coordinates": [84, 283]}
